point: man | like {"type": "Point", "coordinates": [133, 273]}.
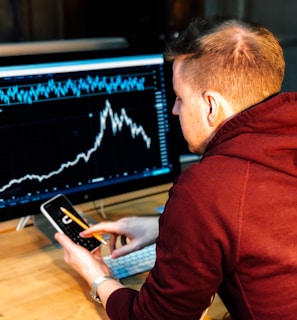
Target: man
{"type": "Point", "coordinates": [229, 223]}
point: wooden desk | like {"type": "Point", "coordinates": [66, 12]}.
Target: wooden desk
{"type": "Point", "coordinates": [36, 283]}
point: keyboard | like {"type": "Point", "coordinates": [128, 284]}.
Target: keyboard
{"type": "Point", "coordinates": [133, 263]}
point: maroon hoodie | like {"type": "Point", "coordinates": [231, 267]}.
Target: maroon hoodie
{"type": "Point", "coordinates": [229, 226]}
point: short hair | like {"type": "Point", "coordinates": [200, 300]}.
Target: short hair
{"type": "Point", "coordinates": [242, 61]}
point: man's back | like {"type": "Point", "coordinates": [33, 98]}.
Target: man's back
{"type": "Point", "coordinates": [256, 167]}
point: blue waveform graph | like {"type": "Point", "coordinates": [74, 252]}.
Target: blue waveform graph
{"type": "Point", "coordinates": [118, 122]}
{"type": "Point", "coordinates": [28, 94]}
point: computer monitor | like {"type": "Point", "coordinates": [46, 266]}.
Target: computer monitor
{"type": "Point", "coordinates": [87, 128]}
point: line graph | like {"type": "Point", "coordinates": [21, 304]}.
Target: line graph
{"type": "Point", "coordinates": [71, 88]}
{"type": "Point", "coordinates": [118, 121]}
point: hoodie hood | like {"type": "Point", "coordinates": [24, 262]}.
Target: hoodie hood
{"type": "Point", "coordinates": [265, 134]}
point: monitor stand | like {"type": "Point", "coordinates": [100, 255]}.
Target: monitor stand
{"type": "Point", "coordinates": [43, 225]}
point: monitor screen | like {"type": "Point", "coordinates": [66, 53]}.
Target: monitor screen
{"type": "Point", "coordinates": [87, 128]}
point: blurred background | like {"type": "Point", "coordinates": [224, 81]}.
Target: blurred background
{"type": "Point", "coordinates": [145, 24]}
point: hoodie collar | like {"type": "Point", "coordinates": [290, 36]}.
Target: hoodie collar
{"type": "Point", "coordinates": [264, 133]}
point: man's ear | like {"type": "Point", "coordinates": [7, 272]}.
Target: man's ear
{"type": "Point", "coordinates": [212, 102]}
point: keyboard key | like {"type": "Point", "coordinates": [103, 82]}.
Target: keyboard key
{"type": "Point", "coordinates": [133, 263]}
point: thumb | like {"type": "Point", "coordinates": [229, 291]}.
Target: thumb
{"type": "Point", "coordinates": [63, 239]}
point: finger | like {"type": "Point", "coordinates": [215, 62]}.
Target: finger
{"type": "Point", "coordinates": [103, 227]}
{"type": "Point", "coordinates": [63, 239]}
{"type": "Point", "coordinates": [112, 241]}
{"type": "Point", "coordinates": [97, 254]}
{"type": "Point", "coordinates": [121, 251]}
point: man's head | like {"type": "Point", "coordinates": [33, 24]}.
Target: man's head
{"type": "Point", "coordinates": [224, 69]}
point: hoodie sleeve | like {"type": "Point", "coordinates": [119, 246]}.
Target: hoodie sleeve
{"type": "Point", "coordinates": [188, 269]}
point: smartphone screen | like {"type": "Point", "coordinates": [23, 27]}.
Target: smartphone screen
{"type": "Point", "coordinates": [51, 209]}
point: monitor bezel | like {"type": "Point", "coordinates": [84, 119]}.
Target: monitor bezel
{"type": "Point", "coordinates": [83, 196]}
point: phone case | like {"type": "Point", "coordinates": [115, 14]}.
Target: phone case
{"type": "Point", "coordinates": [62, 223]}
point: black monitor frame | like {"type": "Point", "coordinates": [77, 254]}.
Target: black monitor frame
{"type": "Point", "coordinates": [23, 208]}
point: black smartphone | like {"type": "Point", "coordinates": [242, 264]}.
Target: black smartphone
{"type": "Point", "coordinates": [51, 209]}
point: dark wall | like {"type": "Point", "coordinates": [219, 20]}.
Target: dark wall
{"type": "Point", "coordinates": [143, 23]}
{"type": "Point", "coordinates": [146, 24]}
